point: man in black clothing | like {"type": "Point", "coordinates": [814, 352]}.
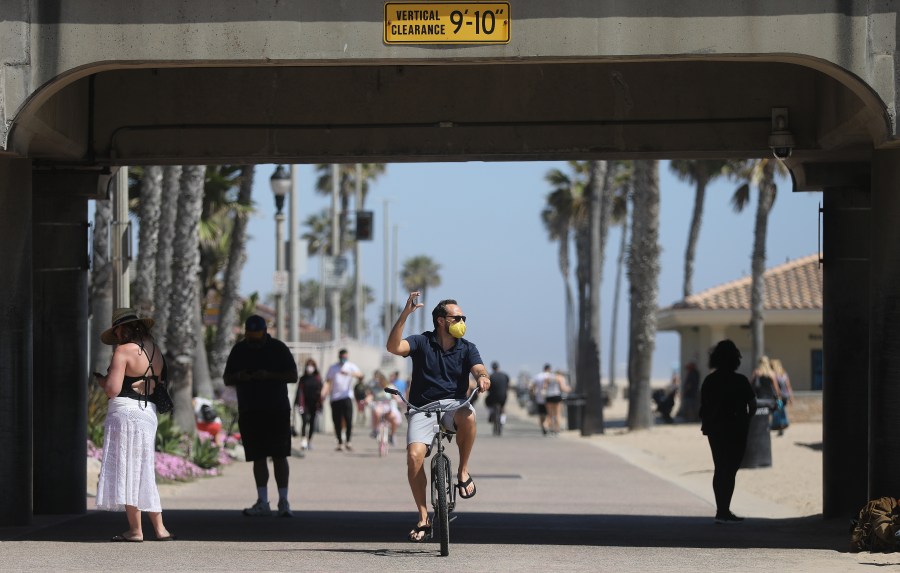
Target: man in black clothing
{"type": "Point", "coordinates": [498, 392]}
{"type": "Point", "coordinates": [261, 367]}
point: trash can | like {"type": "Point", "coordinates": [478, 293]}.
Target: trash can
{"type": "Point", "coordinates": [574, 410]}
{"type": "Point", "coordinates": [759, 440]}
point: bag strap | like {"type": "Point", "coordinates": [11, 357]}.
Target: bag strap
{"type": "Point", "coordinates": [150, 370]}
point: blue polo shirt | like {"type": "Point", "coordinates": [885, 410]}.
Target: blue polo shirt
{"type": "Point", "coordinates": [438, 374]}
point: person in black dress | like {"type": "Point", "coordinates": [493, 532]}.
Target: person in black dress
{"type": "Point", "coordinates": [727, 403]}
{"type": "Point", "coordinates": [309, 396]}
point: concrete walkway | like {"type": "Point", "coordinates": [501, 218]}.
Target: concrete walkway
{"type": "Point", "coordinates": [543, 503]}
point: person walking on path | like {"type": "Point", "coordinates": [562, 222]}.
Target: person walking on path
{"type": "Point", "coordinates": [309, 398]}
{"type": "Point", "coordinates": [442, 362]}
{"type": "Point", "coordinates": [727, 404]}
{"type": "Point", "coordinates": [688, 411]}
{"type": "Point", "coordinates": [498, 393]}
{"type": "Point", "coordinates": [261, 367]}
{"type": "Point", "coordinates": [338, 386]}
{"type": "Point", "coordinates": [785, 396]}
{"type": "Point", "coordinates": [538, 394]}
{"type": "Point", "coordinates": [128, 471]}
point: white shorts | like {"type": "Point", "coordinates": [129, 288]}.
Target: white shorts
{"type": "Point", "coordinates": [422, 428]}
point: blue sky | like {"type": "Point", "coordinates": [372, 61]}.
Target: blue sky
{"type": "Point", "coordinates": [481, 223]}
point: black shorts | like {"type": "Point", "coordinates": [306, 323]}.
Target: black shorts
{"type": "Point", "coordinates": [554, 399]}
{"type": "Point", "coordinates": [542, 409]}
{"type": "Point", "coordinates": [265, 434]}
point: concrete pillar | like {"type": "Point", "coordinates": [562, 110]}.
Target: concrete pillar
{"type": "Point", "coordinates": [60, 335]}
{"type": "Point", "coordinates": [884, 331]}
{"type": "Point", "coordinates": [15, 342]}
{"type": "Point", "coordinates": [845, 321]}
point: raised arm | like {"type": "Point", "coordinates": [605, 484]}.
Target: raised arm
{"type": "Point", "coordinates": [395, 343]}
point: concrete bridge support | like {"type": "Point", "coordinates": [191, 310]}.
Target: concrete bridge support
{"type": "Point", "coordinates": [884, 332]}
{"type": "Point", "coordinates": [15, 342]}
{"type": "Point", "coordinates": [60, 342]}
{"type": "Point", "coordinates": [845, 323]}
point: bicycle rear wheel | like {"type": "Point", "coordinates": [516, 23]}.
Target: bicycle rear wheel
{"type": "Point", "coordinates": [440, 471]}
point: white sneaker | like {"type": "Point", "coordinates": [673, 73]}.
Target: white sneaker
{"type": "Point", "coordinates": [284, 509]}
{"type": "Point", "coordinates": [259, 509]}
{"type": "Point", "coordinates": [304, 444]}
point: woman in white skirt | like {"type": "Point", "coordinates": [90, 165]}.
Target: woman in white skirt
{"type": "Point", "coordinates": [128, 470]}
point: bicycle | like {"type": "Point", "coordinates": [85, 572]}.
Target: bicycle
{"type": "Point", "coordinates": [443, 494]}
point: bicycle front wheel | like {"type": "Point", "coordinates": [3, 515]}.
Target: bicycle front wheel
{"type": "Point", "coordinates": [440, 475]}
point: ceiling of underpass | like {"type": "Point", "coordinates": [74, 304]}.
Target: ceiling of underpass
{"type": "Point", "coordinates": [446, 112]}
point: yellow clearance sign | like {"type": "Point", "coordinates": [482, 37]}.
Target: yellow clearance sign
{"type": "Point", "coordinates": [446, 23]}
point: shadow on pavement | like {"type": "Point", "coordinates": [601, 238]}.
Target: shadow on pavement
{"type": "Point", "coordinates": [469, 528]}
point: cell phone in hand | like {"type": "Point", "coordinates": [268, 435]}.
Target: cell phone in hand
{"type": "Point", "coordinates": [415, 301]}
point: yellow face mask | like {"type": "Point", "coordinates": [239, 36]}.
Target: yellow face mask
{"type": "Point", "coordinates": [458, 329]}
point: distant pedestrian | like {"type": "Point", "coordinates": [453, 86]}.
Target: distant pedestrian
{"type": "Point", "coordinates": [128, 471]}
{"type": "Point", "coordinates": [309, 396]}
{"type": "Point", "coordinates": [496, 398]}
{"type": "Point", "coordinates": [554, 388]}
{"type": "Point", "coordinates": [727, 404]}
{"type": "Point", "coordinates": [784, 397]}
{"type": "Point", "coordinates": [689, 410]}
{"type": "Point", "coordinates": [399, 383]}
{"type": "Point", "coordinates": [539, 396]}
{"type": "Point", "coordinates": [261, 367]}
{"type": "Point", "coordinates": [339, 382]}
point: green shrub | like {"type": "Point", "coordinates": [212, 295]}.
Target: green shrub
{"type": "Point", "coordinates": [96, 412]}
{"type": "Point", "coordinates": [169, 437]}
{"type": "Point", "coordinates": [205, 453]}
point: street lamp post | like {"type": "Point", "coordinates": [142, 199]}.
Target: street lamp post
{"type": "Point", "coordinates": [281, 183]}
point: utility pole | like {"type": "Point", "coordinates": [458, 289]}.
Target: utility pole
{"type": "Point", "coordinates": [293, 321]}
{"type": "Point", "coordinates": [121, 241]}
{"type": "Point", "coordinates": [335, 249]}
{"type": "Point", "coordinates": [388, 297]}
{"type": "Point", "coordinates": [358, 303]}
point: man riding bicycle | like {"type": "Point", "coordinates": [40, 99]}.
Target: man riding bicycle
{"type": "Point", "coordinates": [442, 362]}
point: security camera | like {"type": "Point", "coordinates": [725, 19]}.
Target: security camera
{"type": "Point", "coordinates": [781, 141]}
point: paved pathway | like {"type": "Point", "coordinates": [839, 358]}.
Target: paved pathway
{"type": "Point", "coordinates": [543, 503]}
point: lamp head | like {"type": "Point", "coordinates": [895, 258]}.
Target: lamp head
{"type": "Point", "coordinates": [281, 184]}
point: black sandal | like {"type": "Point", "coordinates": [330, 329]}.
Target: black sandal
{"type": "Point", "coordinates": [425, 529]}
{"type": "Point", "coordinates": [464, 485]}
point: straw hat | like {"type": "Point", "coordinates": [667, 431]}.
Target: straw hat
{"type": "Point", "coordinates": [122, 316]}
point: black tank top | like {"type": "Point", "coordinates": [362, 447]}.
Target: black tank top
{"type": "Point", "coordinates": [128, 392]}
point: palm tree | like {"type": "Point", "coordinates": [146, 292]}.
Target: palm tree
{"type": "Point", "coordinates": [224, 337]}
{"type": "Point", "coordinates": [101, 287]}
{"type": "Point", "coordinates": [643, 275]}
{"type": "Point", "coordinates": [558, 218]}
{"type": "Point", "coordinates": [700, 172]}
{"type": "Point", "coordinates": [623, 183]}
{"type": "Point", "coordinates": [165, 251]}
{"type": "Point", "coordinates": [148, 239]}
{"type": "Point", "coordinates": [181, 343]}
{"type": "Point", "coordinates": [761, 174]}
{"type": "Point", "coordinates": [420, 273]}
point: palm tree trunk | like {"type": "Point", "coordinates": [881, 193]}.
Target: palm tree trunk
{"type": "Point", "coordinates": [185, 297]}
{"type": "Point", "coordinates": [571, 335]}
{"type": "Point", "coordinates": [758, 264]}
{"type": "Point", "coordinates": [165, 251]}
{"type": "Point", "coordinates": [202, 382]}
{"type": "Point", "coordinates": [101, 291]}
{"type": "Point", "coordinates": [643, 274]}
{"type": "Point", "coordinates": [599, 202]}
{"type": "Point", "coordinates": [148, 239]}
{"type": "Point", "coordinates": [620, 263]}
{"type": "Point", "coordinates": [690, 251]}
{"type": "Point", "coordinates": [237, 255]}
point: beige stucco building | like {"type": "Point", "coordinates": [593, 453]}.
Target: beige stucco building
{"type": "Point", "coordinates": [792, 313]}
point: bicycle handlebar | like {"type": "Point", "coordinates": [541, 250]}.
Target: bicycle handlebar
{"type": "Point", "coordinates": [433, 406]}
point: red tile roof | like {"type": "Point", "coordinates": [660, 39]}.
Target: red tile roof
{"type": "Point", "coordinates": [794, 285]}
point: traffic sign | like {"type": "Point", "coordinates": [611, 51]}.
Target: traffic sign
{"type": "Point", "coordinates": [446, 23]}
